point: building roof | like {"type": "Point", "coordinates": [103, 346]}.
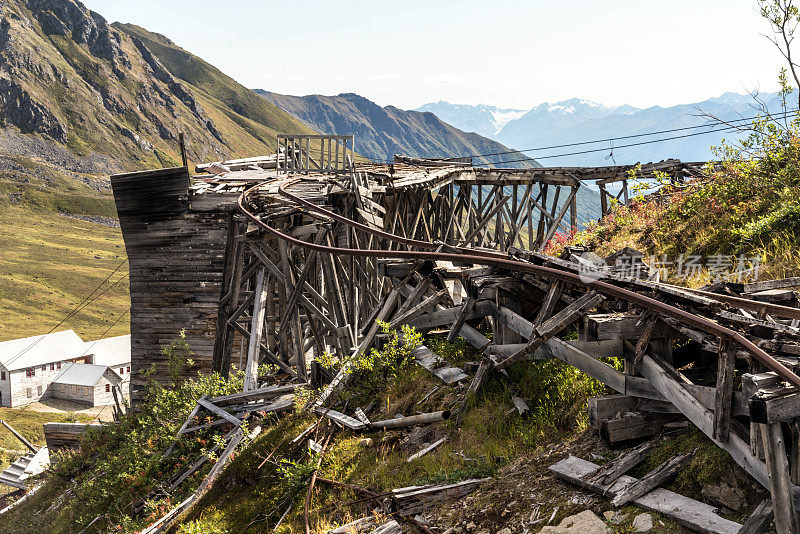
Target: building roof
{"type": "Point", "coordinates": [110, 351]}
{"type": "Point", "coordinates": [38, 350]}
{"type": "Point", "coordinates": [82, 374]}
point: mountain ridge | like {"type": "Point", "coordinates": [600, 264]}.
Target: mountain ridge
{"type": "Point", "coordinates": [579, 120]}
{"type": "Point", "coordinates": [70, 80]}
{"type": "Point", "coordinates": [382, 132]}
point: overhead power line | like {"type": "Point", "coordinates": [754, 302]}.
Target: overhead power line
{"type": "Point", "coordinates": [729, 125]}
{"type": "Point", "coordinates": [88, 299]}
{"type": "Point", "coordinates": [604, 149]}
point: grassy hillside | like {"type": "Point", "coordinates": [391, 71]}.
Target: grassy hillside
{"type": "Point", "coordinates": [747, 208]}
{"type": "Point", "coordinates": [268, 477]}
{"type": "Point", "coordinates": [263, 119]}
{"type": "Point", "coordinates": [118, 96]}
{"type": "Point", "coordinates": [52, 256]}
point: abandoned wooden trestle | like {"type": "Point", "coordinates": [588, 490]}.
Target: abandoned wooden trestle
{"type": "Point", "coordinates": [283, 258]}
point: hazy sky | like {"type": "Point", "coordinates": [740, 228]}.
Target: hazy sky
{"type": "Point", "coordinates": [501, 52]}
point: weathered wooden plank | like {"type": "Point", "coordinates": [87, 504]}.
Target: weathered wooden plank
{"type": "Point", "coordinates": [766, 285]}
{"type": "Point", "coordinates": [636, 425]}
{"type": "Point", "coordinates": [219, 411]}
{"type": "Point", "coordinates": [426, 450]}
{"type": "Point", "coordinates": [554, 325]}
{"type": "Point", "coordinates": [415, 499]}
{"type": "Point", "coordinates": [607, 474]}
{"type": "Point", "coordinates": [701, 417]}
{"type": "Point", "coordinates": [455, 330]}
{"type": "Point", "coordinates": [256, 331]}
{"type": "Point", "coordinates": [722, 402]}
{"type": "Point", "coordinates": [780, 487]}
{"type": "Point", "coordinates": [651, 481]}
{"type": "Point", "coordinates": [342, 419]}
{"type": "Point", "coordinates": [758, 522]}
{"type": "Point", "coordinates": [696, 515]}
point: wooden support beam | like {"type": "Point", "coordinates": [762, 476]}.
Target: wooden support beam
{"type": "Point", "coordinates": [455, 330]}
{"type": "Point", "coordinates": [722, 404]}
{"type": "Point", "coordinates": [486, 220]}
{"type": "Point", "coordinates": [256, 331]}
{"type": "Point", "coordinates": [549, 303]}
{"type": "Point", "coordinates": [644, 340]}
{"type": "Point", "coordinates": [780, 486]}
{"type": "Point", "coordinates": [219, 411]}
{"type": "Point", "coordinates": [419, 309]}
{"type": "Point", "coordinates": [702, 418]}
{"type": "Point", "coordinates": [30, 446]}
{"type": "Point", "coordinates": [651, 481]}
{"type": "Point", "coordinates": [554, 325]}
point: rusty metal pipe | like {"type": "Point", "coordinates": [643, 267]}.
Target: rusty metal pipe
{"type": "Point", "coordinates": [413, 420]}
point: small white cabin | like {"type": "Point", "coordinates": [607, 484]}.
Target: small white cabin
{"type": "Point", "coordinates": [86, 383]}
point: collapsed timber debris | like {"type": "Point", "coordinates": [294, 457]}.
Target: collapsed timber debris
{"type": "Point", "coordinates": [293, 256]}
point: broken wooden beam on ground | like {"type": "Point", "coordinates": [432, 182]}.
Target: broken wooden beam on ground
{"type": "Point", "coordinates": [416, 499]}
{"type": "Point", "coordinates": [693, 514]}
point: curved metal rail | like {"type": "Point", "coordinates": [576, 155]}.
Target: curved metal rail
{"type": "Point", "coordinates": [490, 258]}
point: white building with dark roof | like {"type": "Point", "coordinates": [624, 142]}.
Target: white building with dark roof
{"type": "Point", "coordinates": [29, 365]}
{"type": "Point", "coordinates": [86, 383]}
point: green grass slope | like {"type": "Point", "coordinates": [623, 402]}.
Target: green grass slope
{"type": "Point", "coordinates": [52, 255]}
{"type": "Point", "coordinates": [747, 208]}
{"type": "Point", "coordinates": [268, 477]}
{"type": "Point", "coordinates": [247, 121]}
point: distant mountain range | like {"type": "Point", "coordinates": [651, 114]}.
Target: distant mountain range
{"type": "Point", "coordinates": [382, 132]}
{"type": "Point", "coordinates": [578, 120]}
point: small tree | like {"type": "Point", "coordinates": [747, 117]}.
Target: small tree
{"type": "Point", "coordinates": [783, 17]}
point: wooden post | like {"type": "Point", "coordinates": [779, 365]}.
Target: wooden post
{"type": "Point", "coordinates": [17, 435]}
{"type": "Point", "coordinates": [724, 394]}
{"type": "Point", "coordinates": [256, 329]}
{"type": "Point", "coordinates": [233, 302]}
{"type": "Point", "coordinates": [182, 144]}
{"type": "Point", "coordinates": [222, 331]}
{"type": "Point", "coordinates": [780, 487]}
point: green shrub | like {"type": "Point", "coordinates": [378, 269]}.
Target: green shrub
{"type": "Point", "coordinates": [119, 465]}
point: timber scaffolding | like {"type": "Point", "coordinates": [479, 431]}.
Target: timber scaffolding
{"type": "Point", "coordinates": [287, 262]}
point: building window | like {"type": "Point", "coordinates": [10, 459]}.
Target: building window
{"type": "Point", "coordinates": [2, 375]}
{"type": "Point", "coordinates": [108, 388]}
{"type": "Point", "coordinates": [30, 393]}
{"type": "Point", "coordinates": [39, 390]}
{"type": "Point", "coordinates": [44, 367]}
{"type": "Point", "coordinates": [128, 369]}
{"type": "Point", "coordinates": [52, 367]}
{"type": "Point", "coordinates": [58, 366]}
{"type": "Point", "coordinates": [122, 370]}
{"type": "Point", "coordinates": [30, 372]}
